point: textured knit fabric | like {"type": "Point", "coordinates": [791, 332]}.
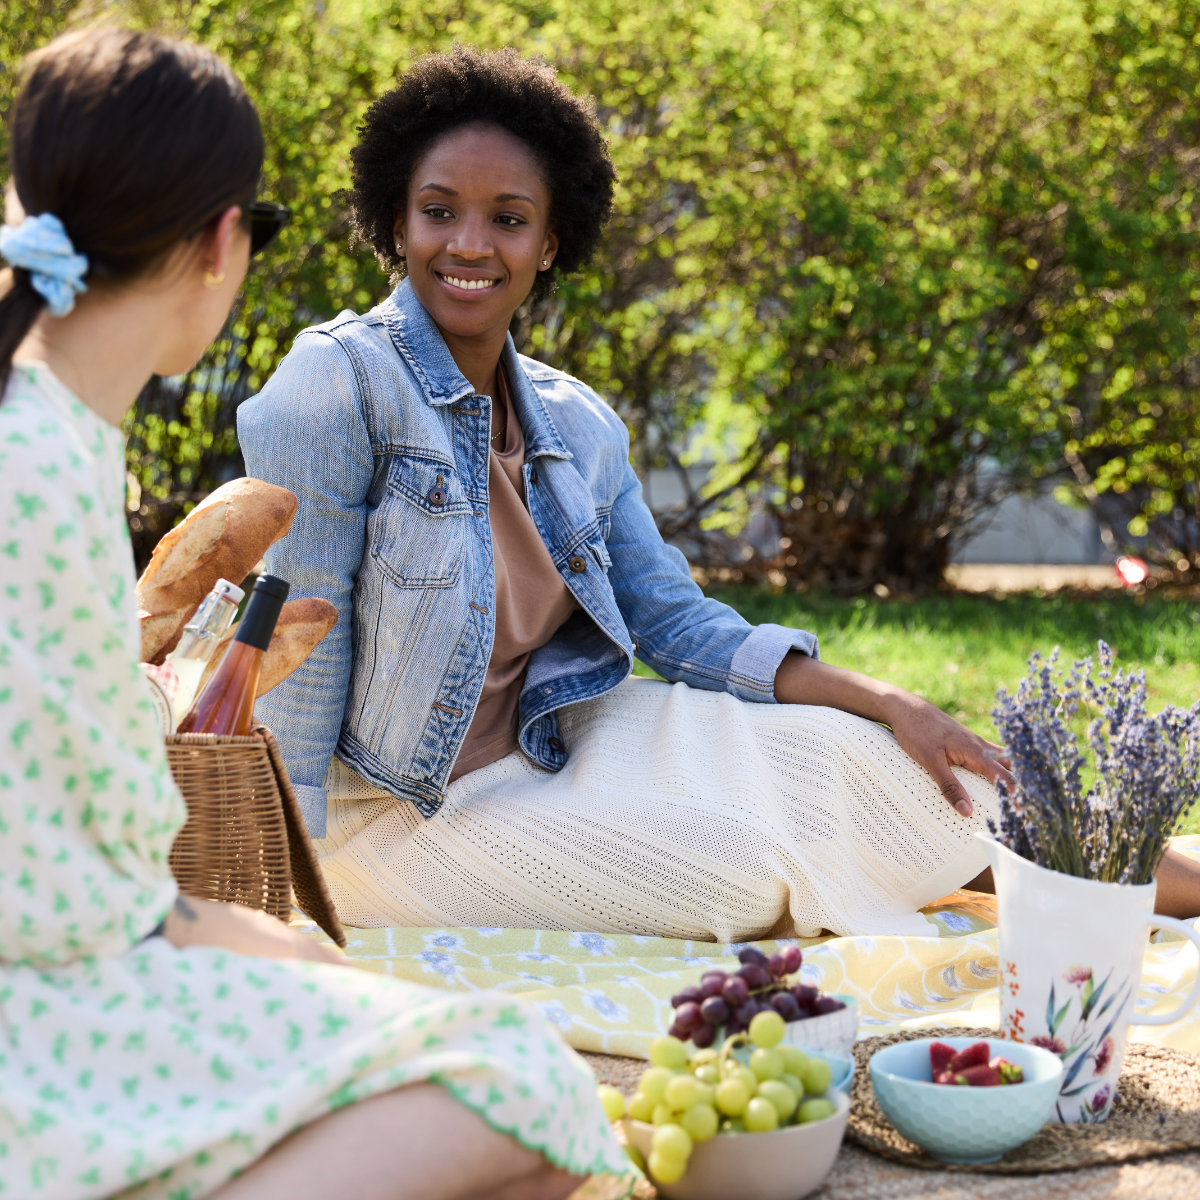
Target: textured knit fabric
{"type": "Point", "coordinates": [680, 813]}
{"type": "Point", "coordinates": [531, 599]}
{"type": "Point", "coordinates": [125, 1063]}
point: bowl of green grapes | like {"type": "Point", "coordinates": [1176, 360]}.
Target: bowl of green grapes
{"type": "Point", "coordinates": [757, 1119]}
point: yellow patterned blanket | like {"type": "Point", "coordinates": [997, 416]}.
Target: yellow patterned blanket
{"type": "Point", "coordinates": [609, 993]}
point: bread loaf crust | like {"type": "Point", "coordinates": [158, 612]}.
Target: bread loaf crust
{"type": "Point", "coordinates": [223, 537]}
{"type": "Point", "coordinates": [301, 625]}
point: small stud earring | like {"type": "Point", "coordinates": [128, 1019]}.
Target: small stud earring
{"type": "Point", "coordinates": [544, 263]}
{"type": "Point", "coordinates": [213, 281]}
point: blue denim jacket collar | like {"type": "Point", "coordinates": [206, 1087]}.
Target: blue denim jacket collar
{"type": "Point", "coordinates": [420, 343]}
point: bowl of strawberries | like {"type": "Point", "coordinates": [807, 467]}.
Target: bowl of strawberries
{"type": "Point", "coordinates": [966, 1100]}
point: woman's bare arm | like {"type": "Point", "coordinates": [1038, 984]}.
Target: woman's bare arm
{"type": "Point", "coordinates": [195, 922]}
{"type": "Point", "coordinates": [929, 737]}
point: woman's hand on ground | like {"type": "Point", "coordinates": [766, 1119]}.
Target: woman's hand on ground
{"type": "Point", "coordinates": [195, 922]}
{"type": "Point", "coordinates": [925, 733]}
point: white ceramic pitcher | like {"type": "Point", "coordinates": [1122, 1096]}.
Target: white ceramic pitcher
{"type": "Point", "coordinates": [1070, 963]}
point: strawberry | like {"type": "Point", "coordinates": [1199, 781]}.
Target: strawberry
{"type": "Point", "coordinates": [979, 1076]}
{"type": "Point", "coordinates": [1008, 1072]}
{"type": "Point", "coordinates": [939, 1057]}
{"type": "Point", "coordinates": [976, 1055]}
{"type": "Point", "coordinates": [945, 1077]}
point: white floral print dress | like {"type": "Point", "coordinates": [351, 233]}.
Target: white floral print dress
{"type": "Point", "coordinates": [127, 1066]}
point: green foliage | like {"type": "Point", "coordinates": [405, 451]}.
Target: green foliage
{"type": "Point", "coordinates": [863, 256]}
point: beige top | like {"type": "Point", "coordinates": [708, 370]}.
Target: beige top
{"type": "Point", "coordinates": [531, 599]}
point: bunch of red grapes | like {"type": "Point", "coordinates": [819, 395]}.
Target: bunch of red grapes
{"type": "Point", "coordinates": [733, 1001]}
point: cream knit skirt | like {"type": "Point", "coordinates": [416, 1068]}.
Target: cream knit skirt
{"type": "Point", "coordinates": [680, 813]}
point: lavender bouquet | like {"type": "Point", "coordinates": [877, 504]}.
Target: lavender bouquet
{"type": "Point", "coordinates": [1107, 819]}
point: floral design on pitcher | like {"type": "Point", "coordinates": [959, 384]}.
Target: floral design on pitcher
{"type": "Point", "coordinates": [1086, 1040]}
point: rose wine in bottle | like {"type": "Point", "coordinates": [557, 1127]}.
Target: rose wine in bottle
{"type": "Point", "coordinates": [226, 706]}
{"type": "Point", "coordinates": [200, 637]}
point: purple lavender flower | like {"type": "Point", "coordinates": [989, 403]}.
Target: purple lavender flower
{"type": "Point", "coordinates": [1146, 771]}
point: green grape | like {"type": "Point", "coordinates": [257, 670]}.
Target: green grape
{"type": "Point", "coordinates": [780, 1095]}
{"type": "Point", "coordinates": [663, 1114]}
{"type": "Point", "coordinates": [761, 1116]}
{"type": "Point", "coordinates": [766, 1064]}
{"type": "Point", "coordinates": [700, 1122]}
{"type": "Point", "coordinates": [683, 1091]}
{"type": "Point", "coordinates": [816, 1076]}
{"type": "Point", "coordinates": [816, 1109]}
{"type": "Point", "coordinates": [709, 1073]}
{"type": "Point", "coordinates": [767, 1029]}
{"type": "Point", "coordinates": [703, 1057]}
{"type": "Point", "coordinates": [641, 1107]}
{"type": "Point", "coordinates": [668, 1052]}
{"type": "Point", "coordinates": [664, 1169]}
{"type": "Point", "coordinates": [793, 1059]}
{"type": "Point", "coordinates": [672, 1140]}
{"type": "Point", "coordinates": [733, 1125]}
{"type": "Point", "coordinates": [732, 1096]}
{"type": "Point", "coordinates": [612, 1101]}
{"type": "Point", "coordinates": [794, 1084]}
{"type": "Point", "coordinates": [746, 1075]}
{"type": "Point", "coordinates": [635, 1156]}
{"type": "Point", "coordinates": [653, 1083]}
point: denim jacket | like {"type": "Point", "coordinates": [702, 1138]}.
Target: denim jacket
{"type": "Point", "coordinates": [385, 444]}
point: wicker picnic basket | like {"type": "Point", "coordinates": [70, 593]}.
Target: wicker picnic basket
{"type": "Point", "coordinates": [244, 840]}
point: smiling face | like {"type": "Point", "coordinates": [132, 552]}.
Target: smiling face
{"type": "Point", "coordinates": [476, 230]}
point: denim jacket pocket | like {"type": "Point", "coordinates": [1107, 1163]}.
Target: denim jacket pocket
{"type": "Point", "coordinates": [422, 539]}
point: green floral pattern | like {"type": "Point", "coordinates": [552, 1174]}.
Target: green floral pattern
{"type": "Point", "coordinates": [127, 1066]}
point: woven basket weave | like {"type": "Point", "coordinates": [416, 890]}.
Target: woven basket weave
{"type": "Point", "coordinates": [244, 841]}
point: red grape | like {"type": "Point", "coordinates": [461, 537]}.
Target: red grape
{"type": "Point", "coordinates": [746, 1012]}
{"type": "Point", "coordinates": [704, 1036]}
{"type": "Point", "coordinates": [792, 958]}
{"type": "Point", "coordinates": [712, 986]}
{"type": "Point", "coordinates": [775, 964]}
{"type": "Point", "coordinates": [714, 973]}
{"type": "Point", "coordinates": [735, 991]}
{"type": "Point", "coordinates": [751, 954]}
{"type": "Point", "coordinates": [755, 976]}
{"type": "Point", "coordinates": [687, 995]}
{"type": "Point", "coordinates": [784, 1003]}
{"type": "Point", "coordinates": [806, 996]}
{"type": "Point", "coordinates": [677, 1031]}
{"type": "Point", "coordinates": [715, 1011]}
{"type": "Point", "coordinates": [827, 1004]}
{"type": "Point", "coordinates": [688, 1017]}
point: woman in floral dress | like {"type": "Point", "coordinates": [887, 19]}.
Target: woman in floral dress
{"type": "Point", "coordinates": [152, 1045]}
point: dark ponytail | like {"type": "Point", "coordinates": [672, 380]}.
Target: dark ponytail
{"type": "Point", "coordinates": [134, 142]}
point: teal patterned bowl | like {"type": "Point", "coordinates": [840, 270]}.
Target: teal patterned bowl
{"type": "Point", "coordinates": [965, 1124]}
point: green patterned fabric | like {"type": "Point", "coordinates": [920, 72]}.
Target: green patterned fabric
{"type": "Point", "coordinates": [127, 1066]}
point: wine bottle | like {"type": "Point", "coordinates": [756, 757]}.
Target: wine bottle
{"type": "Point", "coordinates": [226, 705]}
{"type": "Point", "coordinates": [200, 637]}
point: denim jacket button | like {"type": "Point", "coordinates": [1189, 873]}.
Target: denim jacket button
{"type": "Point", "coordinates": [533, 474]}
{"type": "Point", "coordinates": [555, 745]}
{"type": "Point", "coordinates": [577, 565]}
{"type": "Point", "coordinates": [437, 496]}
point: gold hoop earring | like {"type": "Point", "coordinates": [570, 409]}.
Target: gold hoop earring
{"type": "Point", "coordinates": [213, 281]}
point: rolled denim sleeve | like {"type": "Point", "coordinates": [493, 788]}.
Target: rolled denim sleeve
{"type": "Point", "coordinates": [305, 431]}
{"type": "Point", "coordinates": [683, 634]}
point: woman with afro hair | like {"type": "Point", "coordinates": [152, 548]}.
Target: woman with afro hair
{"type": "Point", "coordinates": [468, 743]}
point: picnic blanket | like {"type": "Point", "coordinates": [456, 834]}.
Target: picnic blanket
{"type": "Point", "coordinates": [609, 993]}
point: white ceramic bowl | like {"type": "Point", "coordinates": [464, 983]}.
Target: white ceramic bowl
{"type": "Point", "coordinates": [783, 1165]}
{"type": "Point", "coordinates": [834, 1032]}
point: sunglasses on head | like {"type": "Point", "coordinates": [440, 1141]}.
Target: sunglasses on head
{"type": "Point", "coordinates": [266, 220]}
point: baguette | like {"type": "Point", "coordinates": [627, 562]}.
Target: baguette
{"type": "Point", "coordinates": [301, 625]}
{"type": "Point", "coordinates": [221, 538]}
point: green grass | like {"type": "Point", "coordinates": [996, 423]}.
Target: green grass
{"type": "Point", "coordinates": [957, 650]}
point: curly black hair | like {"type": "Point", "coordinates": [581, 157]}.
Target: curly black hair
{"type": "Point", "coordinates": [443, 91]}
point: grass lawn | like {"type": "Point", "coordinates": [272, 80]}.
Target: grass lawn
{"type": "Point", "coordinates": [956, 650]}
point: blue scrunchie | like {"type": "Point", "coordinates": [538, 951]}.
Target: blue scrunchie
{"type": "Point", "coordinates": [40, 245]}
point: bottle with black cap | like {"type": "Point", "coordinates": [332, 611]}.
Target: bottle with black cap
{"type": "Point", "coordinates": [226, 706]}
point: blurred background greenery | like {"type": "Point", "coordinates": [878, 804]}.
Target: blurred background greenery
{"type": "Point", "coordinates": [883, 260]}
